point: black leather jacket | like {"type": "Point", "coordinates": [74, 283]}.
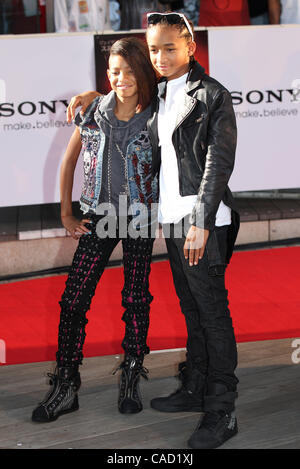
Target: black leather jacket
{"type": "Point", "coordinates": [205, 142]}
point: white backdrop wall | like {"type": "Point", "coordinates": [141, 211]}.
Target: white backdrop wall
{"type": "Point", "coordinates": [38, 76]}
{"type": "Point", "coordinates": [257, 64]}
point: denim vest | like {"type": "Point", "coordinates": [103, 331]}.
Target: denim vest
{"type": "Point", "coordinates": [143, 187]}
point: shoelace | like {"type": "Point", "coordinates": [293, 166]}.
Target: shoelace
{"type": "Point", "coordinates": [143, 371]}
{"type": "Point", "coordinates": [53, 380]}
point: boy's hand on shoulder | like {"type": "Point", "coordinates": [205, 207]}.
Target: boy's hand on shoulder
{"type": "Point", "coordinates": [83, 100]}
{"type": "Point", "coordinates": [195, 243]}
{"type": "Point", "coordinates": [75, 227]}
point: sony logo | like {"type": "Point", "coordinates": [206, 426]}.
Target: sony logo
{"type": "Point", "coordinates": [266, 96]}
{"type": "Point", "coordinates": [27, 108]}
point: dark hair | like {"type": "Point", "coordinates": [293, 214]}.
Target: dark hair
{"type": "Point", "coordinates": [179, 23]}
{"type": "Point", "coordinates": [136, 54]}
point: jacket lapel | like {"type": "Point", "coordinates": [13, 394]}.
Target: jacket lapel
{"type": "Point", "coordinates": [193, 81]}
{"type": "Point", "coordinates": [188, 104]}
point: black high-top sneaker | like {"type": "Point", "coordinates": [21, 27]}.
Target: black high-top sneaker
{"type": "Point", "coordinates": [62, 397]}
{"type": "Point", "coordinates": [188, 397]}
{"type": "Point", "coordinates": [219, 422]}
{"type": "Point", "coordinates": [213, 430]}
{"type": "Point", "coordinates": [130, 399]}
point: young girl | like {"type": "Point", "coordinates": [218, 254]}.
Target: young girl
{"type": "Point", "coordinates": [117, 161]}
{"type": "Point", "coordinates": [193, 134]}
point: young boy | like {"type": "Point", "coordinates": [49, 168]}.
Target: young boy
{"type": "Point", "coordinates": [194, 129]}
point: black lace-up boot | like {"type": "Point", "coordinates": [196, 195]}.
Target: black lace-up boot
{"type": "Point", "coordinates": [62, 397]}
{"type": "Point", "coordinates": [188, 397]}
{"type": "Point", "coordinates": [130, 399]}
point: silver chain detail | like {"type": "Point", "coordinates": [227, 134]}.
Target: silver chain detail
{"type": "Point", "coordinates": [126, 186]}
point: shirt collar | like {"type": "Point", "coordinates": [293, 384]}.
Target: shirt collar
{"type": "Point", "coordinates": [177, 81]}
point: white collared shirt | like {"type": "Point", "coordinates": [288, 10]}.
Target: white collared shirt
{"type": "Point", "coordinates": [172, 206]}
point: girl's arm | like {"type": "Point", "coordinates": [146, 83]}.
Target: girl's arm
{"type": "Point", "coordinates": [83, 100]}
{"type": "Point", "coordinates": [75, 227]}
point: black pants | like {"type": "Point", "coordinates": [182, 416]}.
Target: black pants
{"type": "Point", "coordinates": [89, 262]}
{"type": "Point", "coordinates": [211, 345]}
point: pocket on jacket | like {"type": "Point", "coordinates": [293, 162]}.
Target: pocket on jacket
{"type": "Point", "coordinates": [193, 122]}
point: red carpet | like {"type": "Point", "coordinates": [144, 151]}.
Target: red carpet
{"type": "Point", "coordinates": [264, 299]}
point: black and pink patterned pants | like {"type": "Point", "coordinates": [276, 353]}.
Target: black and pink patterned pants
{"type": "Point", "coordinates": [89, 262]}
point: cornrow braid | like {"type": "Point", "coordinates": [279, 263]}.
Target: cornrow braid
{"type": "Point", "coordinates": [181, 26]}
